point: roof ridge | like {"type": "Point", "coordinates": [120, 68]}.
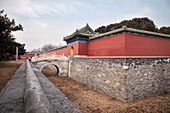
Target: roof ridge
{"type": "Point", "coordinates": [151, 32]}
{"type": "Point", "coordinates": [79, 31]}
{"type": "Point", "coordinates": [87, 25]}
{"type": "Point", "coordinates": [124, 28]}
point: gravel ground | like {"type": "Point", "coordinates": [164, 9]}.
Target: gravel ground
{"type": "Point", "coordinates": [90, 101]}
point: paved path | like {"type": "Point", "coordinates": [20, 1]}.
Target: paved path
{"type": "Point", "coordinates": [30, 91]}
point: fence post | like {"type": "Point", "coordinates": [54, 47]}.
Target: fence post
{"type": "Point", "coordinates": [17, 54]}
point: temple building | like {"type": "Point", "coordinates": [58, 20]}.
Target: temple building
{"type": "Point", "coordinates": [121, 42]}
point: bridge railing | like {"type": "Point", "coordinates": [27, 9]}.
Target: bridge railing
{"type": "Point", "coordinates": [48, 57]}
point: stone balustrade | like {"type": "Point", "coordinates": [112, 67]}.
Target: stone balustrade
{"type": "Point", "coordinates": [49, 57]}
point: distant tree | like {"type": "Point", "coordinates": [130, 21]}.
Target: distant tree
{"type": "Point", "coordinates": [7, 40]}
{"type": "Point", "coordinates": [35, 51]}
{"type": "Point", "coordinates": [136, 23]}
{"type": "Point", "coordinates": [101, 29]}
{"type": "Point", "coordinates": [47, 47]}
{"type": "Point", "coordinates": [165, 30]}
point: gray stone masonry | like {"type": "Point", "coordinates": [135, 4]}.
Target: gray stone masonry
{"type": "Point", "coordinates": [35, 101]}
{"type": "Point", "coordinates": [126, 79]}
{"type": "Point", "coordinates": [59, 101]}
{"type": "Point", "coordinates": [61, 65]}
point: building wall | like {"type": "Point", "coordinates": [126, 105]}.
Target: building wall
{"type": "Point", "coordinates": [129, 45]}
{"type": "Point", "coordinates": [27, 55]}
{"type": "Point", "coordinates": [119, 45]}
{"type": "Point", "coordinates": [126, 79]}
{"type": "Point", "coordinates": [108, 46]}
{"type": "Point", "coordinates": [83, 48]}
{"type": "Point", "coordinates": [101, 74]}
{"type": "Point", "coordinates": [59, 51]}
{"type": "Point", "coordinates": [137, 45]}
{"type": "Point", "coordinates": [76, 48]}
{"type": "Point", "coordinates": [146, 77]}
{"type": "Point", "coordinates": [80, 48]}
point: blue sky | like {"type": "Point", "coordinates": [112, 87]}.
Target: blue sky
{"type": "Point", "coordinates": [48, 21]}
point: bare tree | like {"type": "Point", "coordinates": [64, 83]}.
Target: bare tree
{"type": "Point", "coordinates": [35, 51]}
{"type": "Point", "coordinates": [45, 48]}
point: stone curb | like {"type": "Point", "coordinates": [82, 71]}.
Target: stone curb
{"type": "Point", "coordinates": [35, 101]}
{"type": "Point", "coordinates": [60, 103]}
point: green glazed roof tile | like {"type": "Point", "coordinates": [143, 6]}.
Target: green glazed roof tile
{"type": "Point", "coordinates": [80, 31]}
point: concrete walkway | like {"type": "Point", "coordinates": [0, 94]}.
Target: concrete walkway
{"type": "Point", "coordinates": [29, 91]}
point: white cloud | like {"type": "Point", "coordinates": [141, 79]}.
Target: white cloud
{"type": "Point", "coordinates": [141, 13]}
{"type": "Point", "coordinates": [42, 24]}
{"type": "Point", "coordinates": [34, 9]}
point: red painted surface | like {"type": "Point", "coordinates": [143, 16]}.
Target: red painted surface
{"type": "Point", "coordinates": [67, 51]}
{"type": "Point", "coordinates": [59, 52]}
{"type": "Point", "coordinates": [80, 48]}
{"type": "Point", "coordinates": [75, 46]}
{"type": "Point", "coordinates": [27, 55]}
{"type": "Point", "coordinates": [137, 45]}
{"type": "Point", "coordinates": [109, 46]}
{"type": "Point", "coordinates": [14, 56]}
{"type": "Point", "coordinates": [119, 45]}
{"type": "Point", "coordinates": [83, 48]}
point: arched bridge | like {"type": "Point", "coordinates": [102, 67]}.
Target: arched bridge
{"type": "Point", "coordinates": [61, 63]}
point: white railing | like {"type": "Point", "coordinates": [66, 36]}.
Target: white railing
{"type": "Point", "coordinates": [48, 57]}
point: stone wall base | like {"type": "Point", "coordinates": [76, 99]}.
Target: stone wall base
{"type": "Point", "coordinates": [126, 79]}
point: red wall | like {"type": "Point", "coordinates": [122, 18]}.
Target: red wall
{"type": "Point", "coordinates": [119, 45]}
{"type": "Point", "coordinates": [75, 46]}
{"type": "Point", "coordinates": [137, 45]}
{"type": "Point", "coordinates": [109, 46]}
{"type": "Point", "coordinates": [59, 51]}
{"type": "Point", "coordinates": [83, 48]}
{"type": "Point", "coordinates": [80, 48]}
{"type": "Point", "coordinates": [27, 55]}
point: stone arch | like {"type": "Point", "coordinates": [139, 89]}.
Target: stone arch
{"type": "Point", "coordinates": [54, 64]}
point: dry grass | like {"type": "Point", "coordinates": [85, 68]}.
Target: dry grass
{"type": "Point", "coordinates": [90, 101]}
{"type": "Point", "coordinates": [7, 71]}
{"type": "Point", "coordinates": [48, 72]}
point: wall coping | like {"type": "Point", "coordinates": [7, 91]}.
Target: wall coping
{"type": "Point", "coordinates": [121, 57]}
